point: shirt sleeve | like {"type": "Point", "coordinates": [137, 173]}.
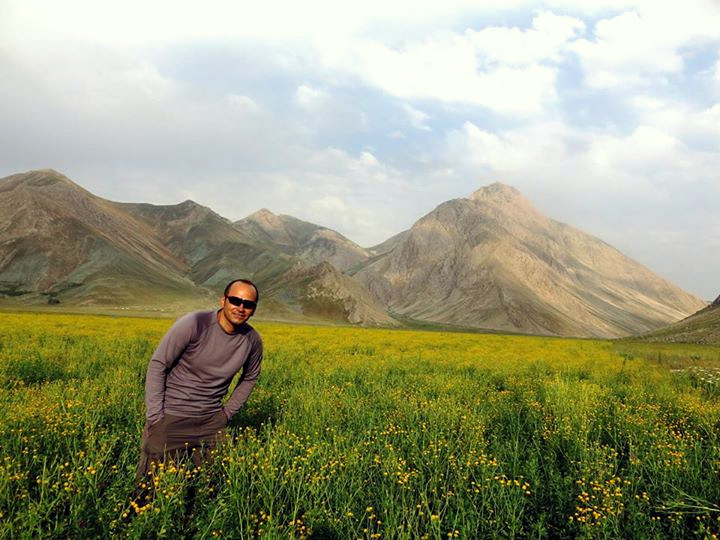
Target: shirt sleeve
{"type": "Point", "coordinates": [250, 374]}
{"type": "Point", "coordinates": [163, 359]}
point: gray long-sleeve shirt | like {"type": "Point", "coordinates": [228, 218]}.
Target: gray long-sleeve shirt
{"type": "Point", "coordinates": [192, 368]}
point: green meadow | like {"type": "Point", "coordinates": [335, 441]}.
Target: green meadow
{"type": "Point", "coordinates": [367, 433]}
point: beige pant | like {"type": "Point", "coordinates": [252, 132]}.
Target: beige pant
{"type": "Point", "coordinates": [177, 437]}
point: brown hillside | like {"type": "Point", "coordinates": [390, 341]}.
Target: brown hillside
{"type": "Point", "coordinates": [492, 260]}
{"type": "Point", "coordinates": [312, 243]}
{"type": "Point", "coordinates": [701, 327]}
{"type": "Point", "coordinates": [58, 239]}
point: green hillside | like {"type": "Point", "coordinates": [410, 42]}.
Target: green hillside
{"type": "Point", "coordinates": [702, 327]}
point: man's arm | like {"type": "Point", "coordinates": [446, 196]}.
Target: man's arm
{"type": "Point", "coordinates": [250, 374]}
{"type": "Point", "coordinates": [163, 359]}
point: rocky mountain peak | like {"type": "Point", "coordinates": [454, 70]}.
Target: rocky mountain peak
{"type": "Point", "coordinates": [44, 177]}
{"type": "Point", "coordinates": [262, 214]}
{"type": "Point", "coordinates": [188, 211]}
{"type": "Point", "coordinates": [267, 220]}
{"type": "Point", "coordinates": [499, 194]}
{"type": "Point", "coordinates": [496, 191]}
{"type": "Point", "coordinates": [504, 200]}
{"type": "Point", "coordinates": [41, 178]}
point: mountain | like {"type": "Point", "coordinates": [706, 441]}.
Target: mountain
{"type": "Point", "coordinates": [490, 260]}
{"type": "Point", "coordinates": [494, 261]}
{"type": "Point", "coordinates": [701, 327]}
{"type": "Point", "coordinates": [60, 240]}
{"type": "Point", "coordinates": [61, 243]}
{"type": "Point", "coordinates": [388, 244]}
{"type": "Point", "coordinates": [307, 241]}
{"type": "Point", "coordinates": [213, 250]}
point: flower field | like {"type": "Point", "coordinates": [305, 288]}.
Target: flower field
{"type": "Point", "coordinates": [366, 433]}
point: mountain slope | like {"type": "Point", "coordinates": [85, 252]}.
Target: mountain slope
{"type": "Point", "coordinates": [388, 244]}
{"type": "Point", "coordinates": [492, 260]}
{"type": "Point", "coordinates": [701, 327]}
{"type": "Point", "coordinates": [208, 244]}
{"type": "Point", "coordinates": [279, 253]}
{"type": "Point", "coordinates": [307, 241]}
{"type": "Point", "coordinates": [58, 239]}
{"type": "Point", "coordinates": [60, 242]}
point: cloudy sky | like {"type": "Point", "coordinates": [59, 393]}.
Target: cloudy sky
{"type": "Point", "coordinates": [363, 116]}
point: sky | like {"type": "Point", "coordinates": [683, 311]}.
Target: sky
{"type": "Point", "coordinates": [364, 116]}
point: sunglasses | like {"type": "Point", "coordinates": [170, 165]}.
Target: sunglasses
{"type": "Point", "coordinates": [236, 301]}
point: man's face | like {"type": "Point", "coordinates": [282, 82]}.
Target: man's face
{"type": "Point", "coordinates": [237, 315]}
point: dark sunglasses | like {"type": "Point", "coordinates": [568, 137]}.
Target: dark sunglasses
{"type": "Point", "coordinates": [236, 301]}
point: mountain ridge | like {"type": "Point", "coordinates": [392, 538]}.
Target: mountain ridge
{"type": "Point", "coordinates": [311, 242]}
{"type": "Point", "coordinates": [494, 260]}
{"type": "Point", "coordinates": [92, 251]}
{"type": "Point", "coordinates": [48, 248]}
{"type": "Point", "coordinates": [490, 260]}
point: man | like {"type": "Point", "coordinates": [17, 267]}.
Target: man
{"type": "Point", "coordinates": [190, 372]}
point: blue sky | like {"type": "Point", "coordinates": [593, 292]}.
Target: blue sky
{"type": "Point", "coordinates": [364, 116]}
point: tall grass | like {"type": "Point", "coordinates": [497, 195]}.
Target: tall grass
{"type": "Point", "coordinates": [358, 433]}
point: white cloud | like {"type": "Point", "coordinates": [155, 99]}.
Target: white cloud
{"type": "Point", "coordinates": [329, 204]}
{"type": "Point", "coordinates": [647, 103]}
{"type": "Point", "coordinates": [368, 160]}
{"type": "Point", "coordinates": [137, 22]}
{"type": "Point", "coordinates": [347, 218]}
{"type": "Point", "coordinates": [626, 51]}
{"type": "Point", "coordinates": [644, 44]}
{"type": "Point", "coordinates": [448, 71]}
{"type": "Point", "coordinates": [643, 149]}
{"type": "Point", "coordinates": [417, 118]}
{"type": "Point", "coordinates": [694, 127]}
{"type": "Point", "coordinates": [546, 39]}
{"type": "Point", "coordinates": [243, 103]}
{"type": "Point", "coordinates": [508, 152]}
{"type": "Point", "coordinates": [97, 80]}
{"type": "Point", "coordinates": [308, 97]}
{"type": "Point", "coordinates": [144, 78]}
{"type": "Point", "coordinates": [713, 113]}
{"type": "Point", "coordinates": [504, 69]}
{"type": "Point", "coordinates": [134, 22]}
